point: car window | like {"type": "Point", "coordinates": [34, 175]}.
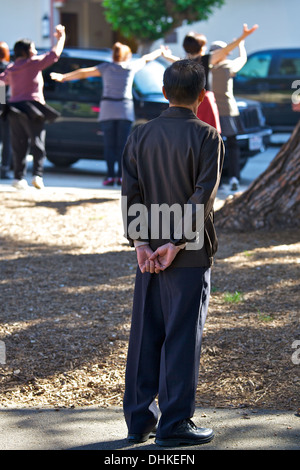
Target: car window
{"type": "Point", "coordinates": [257, 66]}
{"type": "Point", "coordinates": [88, 89]}
{"type": "Point", "coordinates": [289, 66]}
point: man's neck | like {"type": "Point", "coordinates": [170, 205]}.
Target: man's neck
{"type": "Point", "coordinates": [193, 107]}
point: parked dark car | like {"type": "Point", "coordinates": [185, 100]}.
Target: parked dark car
{"type": "Point", "coordinates": [76, 133]}
{"type": "Point", "coordinates": [268, 77]}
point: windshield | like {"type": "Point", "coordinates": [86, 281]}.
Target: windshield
{"type": "Point", "coordinates": [257, 65]}
{"type": "Point", "coordinates": [149, 80]}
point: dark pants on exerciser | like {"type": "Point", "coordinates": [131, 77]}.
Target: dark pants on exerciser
{"type": "Point", "coordinates": [6, 147]}
{"type": "Point", "coordinates": [233, 157]}
{"type": "Point", "coordinates": [24, 132]}
{"type": "Point", "coordinates": [169, 311]}
{"type": "Point", "coordinates": [115, 134]}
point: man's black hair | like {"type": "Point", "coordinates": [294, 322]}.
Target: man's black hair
{"type": "Point", "coordinates": [183, 81]}
{"type": "Point", "coordinates": [22, 48]}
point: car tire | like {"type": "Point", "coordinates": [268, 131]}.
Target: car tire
{"type": "Point", "coordinates": [62, 161]}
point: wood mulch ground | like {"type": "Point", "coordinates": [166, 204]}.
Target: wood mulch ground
{"type": "Point", "coordinates": [66, 284]}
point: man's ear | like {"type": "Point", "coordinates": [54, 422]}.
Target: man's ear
{"type": "Point", "coordinates": [201, 96]}
{"type": "Point", "coordinates": [164, 92]}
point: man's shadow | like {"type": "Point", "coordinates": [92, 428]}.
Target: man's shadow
{"type": "Point", "coordinates": [121, 444]}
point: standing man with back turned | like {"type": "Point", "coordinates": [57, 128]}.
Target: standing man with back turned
{"type": "Point", "coordinates": [174, 160]}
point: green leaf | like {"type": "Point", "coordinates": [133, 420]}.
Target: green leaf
{"type": "Point", "coordinates": [149, 20]}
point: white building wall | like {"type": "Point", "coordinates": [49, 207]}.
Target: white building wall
{"type": "Point", "coordinates": [278, 22]}
{"type": "Point", "coordinates": [23, 19]}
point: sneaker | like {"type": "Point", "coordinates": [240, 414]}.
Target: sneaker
{"type": "Point", "coordinates": [118, 181]}
{"type": "Point", "coordinates": [234, 184]}
{"type": "Point", "coordinates": [108, 182]}
{"type": "Point", "coordinates": [20, 184]}
{"type": "Point", "coordinates": [38, 182]}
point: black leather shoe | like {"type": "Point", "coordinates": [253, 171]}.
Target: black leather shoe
{"type": "Point", "coordinates": [137, 438]}
{"type": "Point", "coordinates": [186, 433]}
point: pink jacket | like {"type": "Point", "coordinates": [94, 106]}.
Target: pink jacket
{"type": "Point", "coordinates": [25, 77]}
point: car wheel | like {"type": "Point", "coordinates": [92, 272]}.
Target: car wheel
{"type": "Point", "coordinates": [62, 161]}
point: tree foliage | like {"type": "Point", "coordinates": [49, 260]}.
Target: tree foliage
{"type": "Point", "coordinates": [149, 20]}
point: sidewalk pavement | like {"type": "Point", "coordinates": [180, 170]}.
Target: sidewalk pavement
{"type": "Point", "coordinates": [93, 428]}
{"type": "Point", "coordinates": [88, 174]}
{"type": "Point", "coordinates": [80, 179]}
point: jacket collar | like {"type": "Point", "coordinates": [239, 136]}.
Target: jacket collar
{"type": "Point", "coordinates": [178, 112]}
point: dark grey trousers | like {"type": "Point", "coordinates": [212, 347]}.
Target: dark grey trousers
{"type": "Point", "coordinates": [27, 134]}
{"type": "Point", "coordinates": [6, 147]}
{"type": "Point", "coordinates": [169, 311]}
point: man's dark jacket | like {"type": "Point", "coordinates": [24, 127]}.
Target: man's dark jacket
{"type": "Point", "coordinates": [174, 159]}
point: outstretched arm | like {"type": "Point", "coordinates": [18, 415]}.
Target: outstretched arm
{"type": "Point", "coordinates": [167, 54]}
{"type": "Point", "coordinates": [76, 74]}
{"type": "Point", "coordinates": [221, 54]}
{"type": "Point", "coordinates": [152, 55]}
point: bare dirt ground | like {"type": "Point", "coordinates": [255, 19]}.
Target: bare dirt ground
{"type": "Point", "coordinates": [66, 284]}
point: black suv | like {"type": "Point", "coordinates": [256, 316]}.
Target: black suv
{"type": "Point", "coordinates": [268, 77]}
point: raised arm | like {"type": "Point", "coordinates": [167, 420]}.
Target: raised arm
{"type": "Point", "coordinates": [60, 35]}
{"type": "Point", "coordinates": [76, 74]}
{"type": "Point", "coordinates": [240, 61]}
{"type": "Point", "coordinates": [221, 54]}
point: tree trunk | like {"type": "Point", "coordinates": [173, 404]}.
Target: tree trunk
{"type": "Point", "coordinates": [273, 199]}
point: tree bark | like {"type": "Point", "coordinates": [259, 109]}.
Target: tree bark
{"type": "Point", "coordinates": [273, 198]}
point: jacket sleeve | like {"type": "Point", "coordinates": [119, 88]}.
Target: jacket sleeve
{"type": "Point", "coordinates": [199, 207]}
{"type": "Point", "coordinates": [134, 212]}
{"type": "Point", "coordinates": [42, 61]}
